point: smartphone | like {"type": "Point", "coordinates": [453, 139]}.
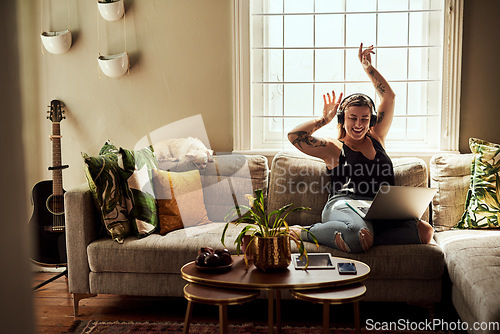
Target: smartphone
{"type": "Point", "coordinates": [347, 268]}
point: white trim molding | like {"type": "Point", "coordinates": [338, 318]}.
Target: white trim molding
{"type": "Point", "coordinates": [241, 76]}
{"type": "Point", "coordinates": [452, 76]}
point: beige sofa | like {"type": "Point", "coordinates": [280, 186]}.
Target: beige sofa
{"type": "Point", "coordinates": [472, 257]}
{"type": "Point", "coordinates": [400, 273]}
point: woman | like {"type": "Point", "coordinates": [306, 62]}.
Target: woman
{"type": "Point", "coordinates": [359, 165]}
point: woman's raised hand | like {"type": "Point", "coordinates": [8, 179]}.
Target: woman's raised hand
{"type": "Point", "coordinates": [365, 56]}
{"type": "Point", "coordinates": [331, 106]}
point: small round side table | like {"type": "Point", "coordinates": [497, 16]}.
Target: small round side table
{"type": "Point", "coordinates": [338, 295]}
{"type": "Point", "coordinates": [215, 296]}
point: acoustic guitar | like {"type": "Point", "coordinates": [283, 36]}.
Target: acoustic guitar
{"type": "Point", "coordinates": [47, 220]}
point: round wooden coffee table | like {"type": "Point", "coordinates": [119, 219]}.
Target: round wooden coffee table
{"type": "Point", "coordinates": [239, 277]}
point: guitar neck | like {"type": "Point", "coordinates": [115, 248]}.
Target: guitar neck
{"type": "Point", "coordinates": [57, 186]}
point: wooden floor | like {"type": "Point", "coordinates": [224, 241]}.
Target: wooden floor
{"type": "Point", "coordinates": [53, 306]}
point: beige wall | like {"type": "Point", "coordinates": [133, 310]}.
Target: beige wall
{"type": "Point", "coordinates": [480, 107]}
{"type": "Point", "coordinates": [180, 54]}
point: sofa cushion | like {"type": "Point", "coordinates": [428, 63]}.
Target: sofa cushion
{"type": "Point", "coordinates": [450, 174]}
{"type": "Point", "coordinates": [395, 261]}
{"type": "Point", "coordinates": [180, 200]}
{"type": "Point", "coordinates": [472, 258]}
{"type": "Point", "coordinates": [164, 254]}
{"type": "Point", "coordinates": [104, 177]}
{"type": "Point", "coordinates": [303, 180]}
{"type": "Point", "coordinates": [482, 206]}
{"type": "Point", "coordinates": [138, 190]}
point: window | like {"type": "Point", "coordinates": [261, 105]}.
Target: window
{"type": "Point", "coordinates": [288, 53]}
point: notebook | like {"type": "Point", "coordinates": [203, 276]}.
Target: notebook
{"type": "Point", "coordinates": [394, 202]}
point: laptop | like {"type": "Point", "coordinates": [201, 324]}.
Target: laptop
{"type": "Point", "coordinates": [394, 202]}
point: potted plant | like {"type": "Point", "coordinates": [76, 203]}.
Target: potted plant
{"type": "Point", "coordinates": [114, 65]}
{"type": "Point", "coordinates": [268, 233]}
{"type": "Point", "coordinates": [111, 10]}
{"type": "Point", "coordinates": [56, 42]}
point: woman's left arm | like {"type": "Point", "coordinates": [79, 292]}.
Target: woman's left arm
{"type": "Point", "coordinates": [385, 112]}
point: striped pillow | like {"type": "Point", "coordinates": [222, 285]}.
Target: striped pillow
{"type": "Point", "coordinates": [138, 190]}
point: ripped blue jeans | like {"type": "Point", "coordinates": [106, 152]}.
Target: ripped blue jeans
{"type": "Point", "coordinates": [343, 229]}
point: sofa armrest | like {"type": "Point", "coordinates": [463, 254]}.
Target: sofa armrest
{"type": "Point", "coordinates": [82, 227]}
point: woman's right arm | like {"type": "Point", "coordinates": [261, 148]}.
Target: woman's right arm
{"type": "Point", "coordinates": [327, 149]}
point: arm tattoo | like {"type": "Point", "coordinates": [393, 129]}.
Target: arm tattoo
{"type": "Point", "coordinates": [302, 137]}
{"type": "Point", "coordinates": [381, 88]}
{"type": "Point", "coordinates": [378, 85]}
{"type": "Point", "coordinates": [380, 117]}
{"type": "Point", "coordinates": [319, 123]}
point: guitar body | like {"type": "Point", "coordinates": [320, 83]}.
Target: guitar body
{"type": "Point", "coordinates": [47, 226]}
{"type": "Point", "coordinates": [47, 221]}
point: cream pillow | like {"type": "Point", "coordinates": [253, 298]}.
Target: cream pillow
{"type": "Point", "coordinates": [180, 200]}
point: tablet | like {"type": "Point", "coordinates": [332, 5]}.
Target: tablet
{"type": "Point", "coordinates": [316, 261]}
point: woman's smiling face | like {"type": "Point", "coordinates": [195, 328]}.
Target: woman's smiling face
{"type": "Point", "coordinates": [357, 121]}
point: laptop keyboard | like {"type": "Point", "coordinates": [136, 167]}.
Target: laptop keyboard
{"type": "Point", "coordinates": [363, 209]}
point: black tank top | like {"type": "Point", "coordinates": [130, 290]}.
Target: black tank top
{"type": "Point", "coordinates": [358, 175]}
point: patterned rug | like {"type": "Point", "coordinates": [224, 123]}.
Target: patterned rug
{"type": "Point", "coordinates": [127, 327]}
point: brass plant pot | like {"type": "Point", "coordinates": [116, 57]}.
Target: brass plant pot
{"type": "Point", "coordinates": [272, 254]}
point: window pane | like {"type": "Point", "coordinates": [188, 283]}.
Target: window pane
{"type": "Point", "coordinates": [399, 89]}
{"type": "Point", "coordinates": [424, 98]}
{"type": "Point", "coordinates": [266, 6]}
{"type": "Point", "coordinates": [417, 129]}
{"type": "Point", "coordinates": [361, 5]}
{"type": "Point", "coordinates": [417, 96]}
{"type": "Point", "coordinates": [299, 31]}
{"type": "Point", "coordinates": [328, 6]}
{"type": "Point", "coordinates": [392, 5]}
{"type": "Point", "coordinates": [323, 89]}
{"type": "Point", "coordinates": [392, 29]}
{"type": "Point", "coordinates": [398, 130]}
{"type": "Point", "coordinates": [298, 65]}
{"type": "Point", "coordinates": [365, 88]}
{"type": "Point", "coordinates": [392, 63]}
{"type": "Point", "coordinates": [299, 6]}
{"type": "Point", "coordinates": [424, 63]}
{"type": "Point", "coordinates": [267, 65]}
{"type": "Point", "coordinates": [329, 30]}
{"type": "Point", "coordinates": [426, 4]}
{"type": "Point", "coordinates": [267, 132]}
{"type": "Point", "coordinates": [353, 68]}
{"type": "Point", "coordinates": [267, 31]}
{"type": "Point", "coordinates": [329, 65]}
{"type": "Point", "coordinates": [267, 100]}
{"type": "Point", "coordinates": [421, 25]}
{"type": "Point", "coordinates": [298, 100]}
{"type": "Point", "coordinates": [360, 28]}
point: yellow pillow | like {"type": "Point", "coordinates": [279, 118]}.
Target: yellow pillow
{"type": "Point", "coordinates": [180, 200]}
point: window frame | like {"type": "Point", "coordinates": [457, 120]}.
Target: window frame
{"type": "Point", "coordinates": [451, 81]}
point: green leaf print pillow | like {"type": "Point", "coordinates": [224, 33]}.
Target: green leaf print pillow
{"type": "Point", "coordinates": [138, 189]}
{"type": "Point", "coordinates": [105, 182]}
{"type": "Point", "coordinates": [482, 206]}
